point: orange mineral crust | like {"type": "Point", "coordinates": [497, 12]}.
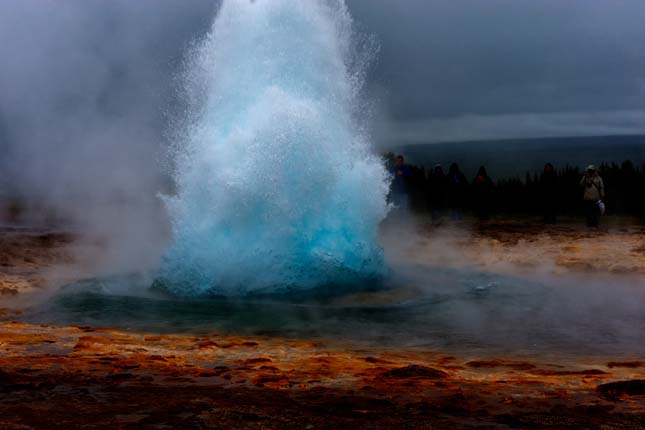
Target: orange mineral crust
{"type": "Point", "coordinates": [76, 377]}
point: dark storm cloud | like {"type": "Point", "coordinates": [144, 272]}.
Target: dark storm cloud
{"type": "Point", "coordinates": [453, 59]}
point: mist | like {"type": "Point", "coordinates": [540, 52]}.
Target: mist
{"type": "Point", "coordinates": [89, 90]}
{"type": "Point", "coordinates": [204, 198]}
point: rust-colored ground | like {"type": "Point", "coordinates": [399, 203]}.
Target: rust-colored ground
{"type": "Point", "coordinates": [504, 245]}
{"type": "Point", "coordinates": [26, 254]}
{"type": "Point", "coordinates": [83, 377]}
{"type": "Point", "coordinates": [71, 377]}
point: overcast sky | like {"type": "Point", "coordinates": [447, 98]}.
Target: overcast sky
{"type": "Point", "coordinates": [89, 90]}
{"type": "Point", "coordinates": [509, 68]}
{"type": "Point", "coordinates": [85, 80]}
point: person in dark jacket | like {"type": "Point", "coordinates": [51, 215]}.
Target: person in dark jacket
{"type": "Point", "coordinates": [401, 174]}
{"type": "Point", "coordinates": [482, 194]}
{"type": "Point", "coordinates": [437, 188]}
{"type": "Point", "coordinates": [456, 192]}
{"type": "Point", "coordinates": [549, 193]}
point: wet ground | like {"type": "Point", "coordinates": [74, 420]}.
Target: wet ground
{"type": "Point", "coordinates": [454, 344]}
{"type": "Point", "coordinates": [79, 377]}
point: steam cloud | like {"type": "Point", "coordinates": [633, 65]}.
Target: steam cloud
{"type": "Point", "coordinates": [87, 88]}
{"type": "Point", "coordinates": [86, 93]}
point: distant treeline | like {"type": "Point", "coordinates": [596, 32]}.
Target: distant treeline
{"type": "Point", "coordinates": [624, 190]}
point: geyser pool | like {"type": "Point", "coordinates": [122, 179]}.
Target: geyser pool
{"type": "Point", "coordinates": [455, 311]}
{"type": "Point", "coordinates": [277, 187]}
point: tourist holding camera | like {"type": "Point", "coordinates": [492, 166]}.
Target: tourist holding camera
{"type": "Point", "coordinates": [593, 194]}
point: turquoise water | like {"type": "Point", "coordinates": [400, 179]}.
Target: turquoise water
{"type": "Point", "coordinates": [463, 312]}
{"type": "Point", "coordinates": [275, 221]}
{"type": "Point", "coordinates": [277, 186]}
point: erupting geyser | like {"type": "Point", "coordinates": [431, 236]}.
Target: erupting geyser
{"type": "Point", "coordinates": [277, 187]}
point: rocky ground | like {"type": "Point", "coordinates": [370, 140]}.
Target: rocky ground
{"type": "Point", "coordinates": [511, 245]}
{"type": "Point", "coordinates": [27, 256]}
{"type": "Point", "coordinates": [84, 377]}
{"type": "Point", "coordinates": [80, 377]}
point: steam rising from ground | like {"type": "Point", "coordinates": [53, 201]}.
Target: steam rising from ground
{"type": "Point", "coordinates": [86, 92]}
{"type": "Point", "coordinates": [522, 291]}
{"type": "Point", "coordinates": [276, 183]}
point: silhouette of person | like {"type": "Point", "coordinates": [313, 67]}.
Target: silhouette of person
{"type": "Point", "coordinates": [457, 185]}
{"type": "Point", "coordinates": [549, 193]}
{"type": "Point", "coordinates": [401, 173]}
{"type": "Point", "coordinates": [482, 193]}
{"type": "Point", "coordinates": [437, 188]}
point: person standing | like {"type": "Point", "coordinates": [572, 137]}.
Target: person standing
{"type": "Point", "coordinates": [457, 185]}
{"type": "Point", "coordinates": [593, 194]}
{"type": "Point", "coordinates": [549, 193]}
{"type": "Point", "coordinates": [437, 183]}
{"type": "Point", "coordinates": [401, 175]}
{"type": "Point", "coordinates": [482, 194]}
